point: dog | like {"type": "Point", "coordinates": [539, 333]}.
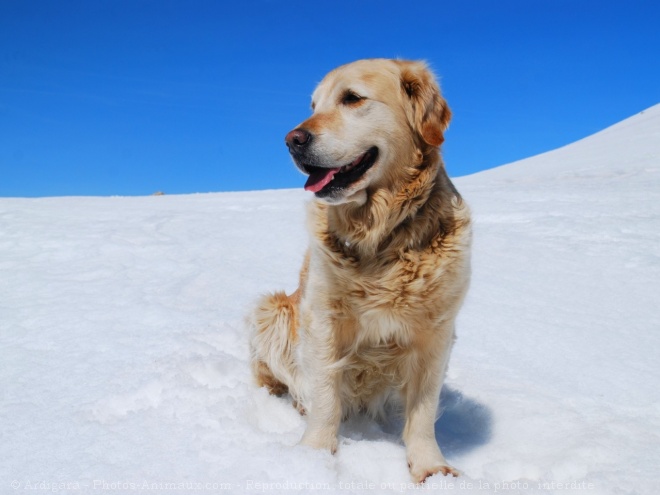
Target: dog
{"type": "Point", "coordinates": [388, 264]}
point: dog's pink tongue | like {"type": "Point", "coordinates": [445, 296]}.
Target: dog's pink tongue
{"type": "Point", "coordinates": [320, 178]}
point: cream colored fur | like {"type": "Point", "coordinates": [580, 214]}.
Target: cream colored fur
{"type": "Point", "coordinates": [387, 268]}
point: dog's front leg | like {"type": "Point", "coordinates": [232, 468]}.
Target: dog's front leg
{"type": "Point", "coordinates": [324, 412]}
{"type": "Point", "coordinates": [324, 417]}
{"type": "Point", "coordinates": [421, 394]}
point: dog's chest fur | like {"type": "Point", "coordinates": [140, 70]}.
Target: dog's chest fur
{"type": "Point", "coordinates": [396, 295]}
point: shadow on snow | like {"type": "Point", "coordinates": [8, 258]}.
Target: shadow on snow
{"type": "Point", "coordinates": [464, 424]}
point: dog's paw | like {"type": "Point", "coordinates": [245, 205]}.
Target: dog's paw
{"type": "Point", "coordinates": [421, 468]}
{"type": "Point", "coordinates": [320, 441]}
{"type": "Point", "coordinates": [420, 475]}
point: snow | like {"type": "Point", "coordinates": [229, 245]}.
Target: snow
{"type": "Point", "coordinates": [124, 363]}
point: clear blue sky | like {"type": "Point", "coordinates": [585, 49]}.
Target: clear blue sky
{"type": "Point", "coordinates": [132, 97]}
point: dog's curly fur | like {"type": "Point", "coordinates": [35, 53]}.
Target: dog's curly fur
{"type": "Point", "coordinates": [387, 267]}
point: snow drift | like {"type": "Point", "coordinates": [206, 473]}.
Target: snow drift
{"type": "Point", "coordinates": [124, 357]}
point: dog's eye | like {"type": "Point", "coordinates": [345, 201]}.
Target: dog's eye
{"type": "Point", "coordinates": [350, 98]}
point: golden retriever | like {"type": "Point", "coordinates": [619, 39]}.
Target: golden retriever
{"type": "Point", "coordinates": [388, 263]}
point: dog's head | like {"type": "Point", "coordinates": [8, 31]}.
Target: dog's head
{"type": "Point", "coordinates": [372, 118]}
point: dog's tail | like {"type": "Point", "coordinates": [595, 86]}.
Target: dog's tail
{"type": "Point", "coordinates": [273, 324]}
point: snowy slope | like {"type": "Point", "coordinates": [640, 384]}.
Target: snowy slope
{"type": "Point", "coordinates": [631, 146]}
{"type": "Point", "coordinates": [123, 362]}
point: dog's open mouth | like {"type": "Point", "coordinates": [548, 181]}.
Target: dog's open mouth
{"type": "Point", "coordinates": [324, 181]}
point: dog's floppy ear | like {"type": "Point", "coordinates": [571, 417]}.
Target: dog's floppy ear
{"type": "Point", "coordinates": [430, 113]}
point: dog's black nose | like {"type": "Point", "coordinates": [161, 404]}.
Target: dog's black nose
{"type": "Point", "coordinates": [298, 138]}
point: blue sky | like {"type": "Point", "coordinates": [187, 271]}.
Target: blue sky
{"type": "Point", "coordinates": [132, 97]}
